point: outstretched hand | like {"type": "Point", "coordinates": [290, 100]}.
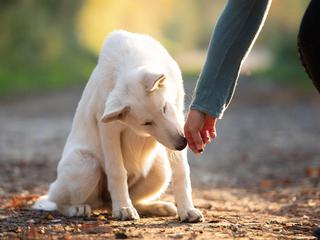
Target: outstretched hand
{"type": "Point", "coordinates": [199, 129]}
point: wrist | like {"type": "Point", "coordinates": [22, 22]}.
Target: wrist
{"type": "Point", "coordinates": [205, 111]}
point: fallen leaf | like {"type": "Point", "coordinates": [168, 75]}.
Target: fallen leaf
{"type": "Point", "coordinates": [265, 183]}
{"type": "Point", "coordinates": [68, 228]}
{"type": "Point", "coordinates": [313, 172]}
{"type": "Point", "coordinates": [20, 201]}
{"type": "Point", "coordinates": [50, 217]}
{"type": "Point", "coordinates": [101, 217]}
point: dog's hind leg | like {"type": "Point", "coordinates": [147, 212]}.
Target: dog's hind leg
{"type": "Point", "coordinates": [77, 181]}
{"type": "Point", "coordinates": [146, 190]}
{"type": "Point", "coordinates": [156, 209]}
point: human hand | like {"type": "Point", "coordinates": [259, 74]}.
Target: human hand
{"type": "Point", "coordinates": [199, 129]}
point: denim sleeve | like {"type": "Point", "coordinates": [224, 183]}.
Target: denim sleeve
{"type": "Point", "coordinates": [234, 34]}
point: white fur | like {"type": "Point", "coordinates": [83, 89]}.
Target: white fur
{"type": "Point", "coordinates": [133, 101]}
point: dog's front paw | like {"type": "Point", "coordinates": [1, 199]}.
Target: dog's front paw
{"type": "Point", "coordinates": [125, 213]}
{"type": "Point", "coordinates": [79, 211]}
{"type": "Point", "coordinates": [192, 215]}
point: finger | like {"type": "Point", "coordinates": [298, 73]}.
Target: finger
{"type": "Point", "coordinates": [212, 133]}
{"type": "Point", "coordinates": [191, 144]}
{"type": "Point", "coordinates": [209, 138]}
{"type": "Point", "coordinates": [210, 126]}
{"type": "Point", "coordinates": [197, 139]}
{"type": "Point", "coordinates": [188, 136]}
{"type": "Point", "coordinates": [205, 131]}
{"type": "Point", "coordinates": [190, 141]}
{"type": "Point", "coordinates": [193, 148]}
{"type": "Point", "coordinates": [205, 137]}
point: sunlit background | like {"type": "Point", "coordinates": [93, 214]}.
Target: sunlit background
{"type": "Point", "coordinates": [53, 44]}
{"type": "Point", "coordinates": [49, 48]}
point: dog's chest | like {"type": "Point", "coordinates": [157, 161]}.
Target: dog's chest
{"type": "Point", "coordinates": [138, 153]}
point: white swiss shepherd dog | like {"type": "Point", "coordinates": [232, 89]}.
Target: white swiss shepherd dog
{"type": "Point", "coordinates": [126, 140]}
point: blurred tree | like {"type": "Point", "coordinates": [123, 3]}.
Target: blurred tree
{"type": "Point", "coordinates": [41, 43]}
{"type": "Point", "coordinates": [38, 45]}
{"type": "Point", "coordinates": [179, 24]}
{"type": "Point", "coordinates": [279, 36]}
{"type": "Point", "coordinates": [97, 18]}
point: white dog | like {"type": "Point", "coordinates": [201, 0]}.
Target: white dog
{"type": "Point", "coordinates": [113, 158]}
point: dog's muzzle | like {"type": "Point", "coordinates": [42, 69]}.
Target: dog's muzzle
{"type": "Point", "coordinates": [181, 144]}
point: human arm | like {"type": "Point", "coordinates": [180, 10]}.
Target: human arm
{"type": "Point", "coordinates": [232, 39]}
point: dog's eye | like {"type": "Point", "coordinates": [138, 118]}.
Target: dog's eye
{"type": "Point", "coordinates": [148, 123]}
{"type": "Point", "coordinates": [164, 108]}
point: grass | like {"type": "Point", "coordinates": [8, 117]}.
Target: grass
{"type": "Point", "coordinates": [59, 74]}
{"type": "Point", "coordinates": [29, 79]}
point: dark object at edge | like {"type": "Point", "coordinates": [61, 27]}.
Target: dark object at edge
{"type": "Point", "coordinates": [309, 42]}
{"type": "Point", "coordinates": [316, 232]}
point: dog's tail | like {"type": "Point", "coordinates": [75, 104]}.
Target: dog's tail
{"type": "Point", "coordinates": [43, 203]}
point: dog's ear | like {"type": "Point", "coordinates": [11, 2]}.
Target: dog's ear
{"type": "Point", "coordinates": [152, 81]}
{"type": "Point", "coordinates": [114, 110]}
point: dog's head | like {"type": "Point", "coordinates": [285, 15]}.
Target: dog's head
{"type": "Point", "coordinates": [146, 104]}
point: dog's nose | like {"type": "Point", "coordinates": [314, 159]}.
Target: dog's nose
{"type": "Point", "coordinates": [182, 144]}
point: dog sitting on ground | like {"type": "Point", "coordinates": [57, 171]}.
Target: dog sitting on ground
{"type": "Point", "coordinates": [126, 139]}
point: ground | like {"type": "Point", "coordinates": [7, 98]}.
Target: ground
{"type": "Point", "coordinates": [230, 213]}
{"type": "Point", "coordinates": [258, 180]}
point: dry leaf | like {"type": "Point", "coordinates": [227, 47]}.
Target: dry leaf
{"type": "Point", "coordinates": [265, 183]}
{"type": "Point", "coordinates": [50, 217]}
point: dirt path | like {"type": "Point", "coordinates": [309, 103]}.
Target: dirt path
{"type": "Point", "coordinates": [290, 213]}
{"type": "Point", "coordinates": [259, 180]}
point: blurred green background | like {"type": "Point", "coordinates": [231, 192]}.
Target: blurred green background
{"type": "Point", "coordinates": [53, 44]}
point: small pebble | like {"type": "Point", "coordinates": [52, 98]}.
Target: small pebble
{"type": "Point", "coordinates": [32, 221]}
{"type": "Point", "coordinates": [55, 220]}
{"type": "Point", "coordinates": [120, 235]}
{"type": "Point", "coordinates": [234, 228]}
{"type": "Point", "coordinates": [95, 213]}
{"type": "Point", "coordinates": [175, 236]}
